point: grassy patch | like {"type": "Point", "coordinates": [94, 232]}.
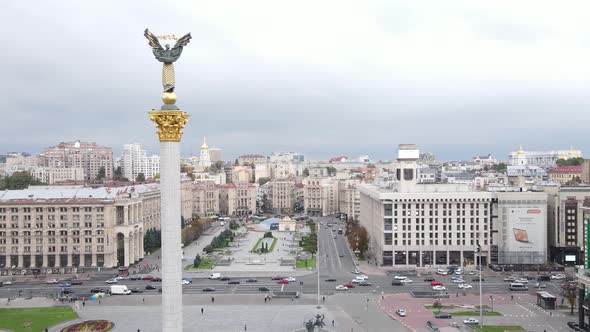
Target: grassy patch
{"type": "Point", "coordinates": [563, 306]}
{"type": "Point", "coordinates": [474, 313]}
{"type": "Point", "coordinates": [498, 328]}
{"type": "Point", "coordinates": [441, 307]}
{"type": "Point", "coordinates": [206, 264]}
{"type": "Point", "coordinates": [34, 319]}
{"type": "Point", "coordinates": [300, 263]}
{"type": "Point", "coordinates": [272, 246]}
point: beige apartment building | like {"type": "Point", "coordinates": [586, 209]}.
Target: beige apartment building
{"type": "Point", "coordinates": [565, 174]}
{"type": "Point", "coordinates": [349, 199]}
{"type": "Point", "coordinates": [205, 199]}
{"type": "Point", "coordinates": [88, 156]}
{"type": "Point", "coordinates": [237, 199]}
{"type": "Point", "coordinates": [282, 195]}
{"type": "Point", "coordinates": [251, 159]}
{"type": "Point", "coordinates": [241, 174]}
{"type": "Point", "coordinates": [76, 226]}
{"type": "Point", "coordinates": [320, 196]}
{"type": "Point", "coordinates": [51, 176]}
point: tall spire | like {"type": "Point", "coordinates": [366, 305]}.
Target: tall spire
{"type": "Point", "coordinates": [520, 150]}
{"type": "Point", "coordinates": [204, 146]}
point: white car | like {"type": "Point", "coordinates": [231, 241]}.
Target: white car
{"type": "Point", "coordinates": [406, 281]}
{"type": "Point", "coordinates": [52, 281]}
{"type": "Point", "coordinates": [401, 312]}
{"type": "Point", "coordinates": [356, 271]}
{"type": "Point", "coordinates": [362, 276]}
{"type": "Point", "coordinates": [439, 288]}
{"type": "Point", "coordinates": [471, 321]}
{"type": "Point", "coordinates": [459, 271]}
{"type": "Point", "coordinates": [185, 282]}
{"type": "Point", "coordinates": [521, 281]}
{"type": "Point", "coordinates": [557, 276]}
{"type": "Point", "coordinates": [458, 281]}
{"type": "Point", "coordinates": [465, 286]}
{"type": "Point", "coordinates": [290, 279]}
{"type": "Point", "coordinates": [341, 287]}
{"type": "Point", "coordinates": [111, 281]}
{"type": "Point", "coordinates": [7, 282]}
{"type": "Point", "coordinates": [471, 273]}
{"type": "Point", "coordinates": [400, 277]}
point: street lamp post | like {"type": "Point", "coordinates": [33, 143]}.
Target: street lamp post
{"type": "Point", "coordinates": [480, 287]}
{"type": "Point", "coordinates": [317, 264]}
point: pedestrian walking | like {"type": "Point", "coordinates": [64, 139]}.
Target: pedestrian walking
{"type": "Point", "coordinates": [98, 301]}
{"type": "Point", "coordinates": [265, 298]}
{"type": "Point", "coordinates": [202, 311]}
{"type": "Point", "coordinates": [332, 323]}
{"type": "Point", "coordinates": [512, 297]}
{"type": "Point", "coordinates": [245, 327]}
{"type": "Point", "coordinates": [291, 298]}
{"type": "Point", "coordinates": [83, 304]}
{"type": "Point", "coordinates": [324, 298]}
{"type": "Point", "coordinates": [212, 299]}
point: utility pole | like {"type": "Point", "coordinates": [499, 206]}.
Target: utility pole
{"type": "Point", "coordinates": [317, 263]}
{"type": "Point", "coordinates": [480, 287]}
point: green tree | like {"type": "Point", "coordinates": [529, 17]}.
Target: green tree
{"type": "Point", "coordinates": [306, 172]}
{"type": "Point", "coordinates": [140, 177]}
{"type": "Point", "coordinates": [370, 165]}
{"type": "Point", "coordinates": [262, 181]}
{"type": "Point", "coordinates": [118, 175]}
{"type": "Point", "coordinates": [197, 261]}
{"type": "Point", "coordinates": [331, 170]}
{"type": "Point", "coordinates": [570, 162]}
{"type": "Point", "coordinates": [101, 173]}
{"type": "Point", "coordinates": [18, 180]}
{"type": "Point", "coordinates": [500, 167]}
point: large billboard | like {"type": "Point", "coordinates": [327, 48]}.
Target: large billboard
{"type": "Point", "coordinates": [525, 231]}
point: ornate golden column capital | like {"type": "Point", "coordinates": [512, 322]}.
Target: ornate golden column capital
{"type": "Point", "coordinates": [170, 124]}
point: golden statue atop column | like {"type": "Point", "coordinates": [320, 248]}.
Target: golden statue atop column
{"type": "Point", "coordinates": [169, 119]}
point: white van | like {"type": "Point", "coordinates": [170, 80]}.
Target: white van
{"type": "Point", "coordinates": [515, 286]}
{"type": "Point", "coordinates": [214, 276]}
{"type": "Point", "coordinates": [120, 290]}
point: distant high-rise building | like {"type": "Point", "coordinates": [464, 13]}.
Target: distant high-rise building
{"type": "Point", "coordinates": [135, 161]}
{"type": "Point", "coordinates": [204, 158]}
{"type": "Point", "coordinates": [87, 156]}
{"type": "Point", "coordinates": [215, 154]}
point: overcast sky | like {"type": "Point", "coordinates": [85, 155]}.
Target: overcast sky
{"type": "Point", "coordinates": [324, 78]}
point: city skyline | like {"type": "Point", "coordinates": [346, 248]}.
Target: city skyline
{"type": "Point", "coordinates": [459, 80]}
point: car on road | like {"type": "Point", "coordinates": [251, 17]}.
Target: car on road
{"type": "Point", "coordinates": [283, 282]}
{"type": "Point", "coordinates": [471, 321]}
{"type": "Point", "coordinates": [477, 279]}
{"type": "Point", "coordinates": [147, 278]}
{"type": "Point", "coordinates": [224, 278]}
{"type": "Point", "coordinates": [443, 315]}
{"type": "Point", "coordinates": [441, 272]}
{"type": "Point", "coordinates": [75, 283]}
{"type": "Point", "coordinates": [67, 291]}
{"type": "Point", "coordinates": [97, 290]}
{"type": "Point", "coordinates": [51, 281]}
{"type": "Point", "coordinates": [364, 283]}
{"type": "Point", "coordinates": [429, 279]}
{"type": "Point", "coordinates": [7, 282]}
{"type": "Point", "coordinates": [264, 289]}
{"type": "Point", "coordinates": [208, 289]}
{"type": "Point", "coordinates": [111, 281]}
{"type": "Point", "coordinates": [331, 279]}
{"type": "Point", "coordinates": [341, 287]}
{"type": "Point", "coordinates": [401, 312]}
{"type": "Point", "coordinates": [400, 277]}
{"type": "Point", "coordinates": [407, 281]}
{"type": "Point", "coordinates": [348, 285]}
{"type": "Point", "coordinates": [438, 288]}
{"type": "Point", "coordinates": [521, 281]}
{"type": "Point", "coordinates": [233, 282]}
{"type": "Point", "coordinates": [185, 282]}
{"type": "Point", "coordinates": [458, 281]}
{"type": "Point", "coordinates": [471, 273]}
{"type": "Point", "coordinates": [341, 255]}
{"type": "Point", "coordinates": [157, 279]}
{"type": "Point", "coordinates": [465, 286]}
{"type": "Point", "coordinates": [251, 280]}
{"type": "Point", "coordinates": [558, 276]}
{"type": "Point", "coordinates": [64, 284]}
{"type": "Point", "coordinates": [436, 283]}
{"type": "Point", "coordinates": [510, 279]}
{"type": "Point", "coordinates": [543, 278]}
{"type": "Point", "coordinates": [135, 277]}
{"type": "Point", "coordinates": [136, 290]}
{"type": "Point", "coordinates": [432, 325]}
{"type": "Point", "coordinates": [290, 279]}
{"type": "Point", "coordinates": [277, 278]}
{"type": "Point", "coordinates": [149, 287]}
{"type": "Point", "coordinates": [397, 283]}
{"type": "Point", "coordinates": [355, 271]}
{"type": "Point", "coordinates": [539, 285]}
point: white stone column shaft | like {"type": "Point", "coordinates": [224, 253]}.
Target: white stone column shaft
{"type": "Point", "coordinates": [170, 226]}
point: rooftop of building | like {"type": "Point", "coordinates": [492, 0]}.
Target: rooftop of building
{"type": "Point", "coordinates": [73, 194]}
{"type": "Point", "coordinates": [251, 156]}
{"type": "Point", "coordinates": [567, 169]}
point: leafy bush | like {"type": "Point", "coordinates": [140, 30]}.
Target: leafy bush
{"type": "Point", "coordinates": [197, 261]}
{"type": "Point", "coordinates": [268, 234]}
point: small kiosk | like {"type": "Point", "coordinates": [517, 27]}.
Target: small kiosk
{"type": "Point", "coordinates": [545, 300]}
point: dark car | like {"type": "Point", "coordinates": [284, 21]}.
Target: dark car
{"type": "Point", "coordinates": [76, 283]}
{"type": "Point", "coordinates": [331, 279]}
{"type": "Point", "coordinates": [432, 325]}
{"type": "Point", "coordinates": [224, 278]}
{"type": "Point", "coordinates": [251, 280]}
{"type": "Point", "coordinates": [364, 283]}
{"type": "Point", "coordinates": [136, 290]}
{"type": "Point", "coordinates": [443, 315]}
{"type": "Point", "coordinates": [233, 282]}
{"type": "Point", "coordinates": [158, 279]}
{"type": "Point", "coordinates": [150, 287]}
{"type": "Point", "coordinates": [97, 290]}
{"type": "Point", "coordinates": [574, 326]}
{"type": "Point", "coordinates": [278, 278]}
{"type": "Point", "coordinates": [264, 289]}
{"type": "Point", "coordinates": [341, 255]}
{"type": "Point", "coordinates": [477, 279]}
{"type": "Point", "coordinates": [67, 291]}
{"type": "Point", "coordinates": [208, 289]}
{"type": "Point", "coordinates": [397, 283]}
{"type": "Point", "coordinates": [429, 279]}
{"type": "Point", "coordinates": [544, 278]}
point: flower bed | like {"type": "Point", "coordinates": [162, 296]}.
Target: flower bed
{"type": "Point", "coordinates": [90, 325]}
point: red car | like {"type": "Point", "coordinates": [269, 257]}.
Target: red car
{"type": "Point", "coordinates": [348, 285]}
{"type": "Point", "coordinates": [148, 278]}
{"type": "Point", "coordinates": [283, 281]}
{"type": "Point", "coordinates": [436, 283]}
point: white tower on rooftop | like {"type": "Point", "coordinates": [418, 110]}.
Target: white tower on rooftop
{"type": "Point", "coordinates": [204, 159]}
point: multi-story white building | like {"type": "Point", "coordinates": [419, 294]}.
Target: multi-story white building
{"type": "Point", "coordinates": [237, 199]}
{"type": "Point", "coordinates": [541, 158]}
{"type": "Point", "coordinates": [89, 156]}
{"type": "Point", "coordinates": [152, 166]}
{"type": "Point", "coordinates": [320, 196]}
{"type": "Point", "coordinates": [349, 199]}
{"type": "Point", "coordinates": [286, 157]}
{"type": "Point", "coordinates": [282, 195]}
{"type": "Point", "coordinates": [420, 225]}
{"type": "Point", "coordinates": [251, 159]}
{"type": "Point", "coordinates": [49, 175]}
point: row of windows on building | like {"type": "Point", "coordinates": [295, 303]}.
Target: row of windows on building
{"type": "Point", "coordinates": [50, 209]}
{"type": "Point", "coordinates": [52, 217]}
{"type": "Point", "coordinates": [50, 249]}
{"type": "Point", "coordinates": [408, 213]}
{"type": "Point", "coordinates": [389, 227]}
{"type": "Point", "coordinates": [87, 224]}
